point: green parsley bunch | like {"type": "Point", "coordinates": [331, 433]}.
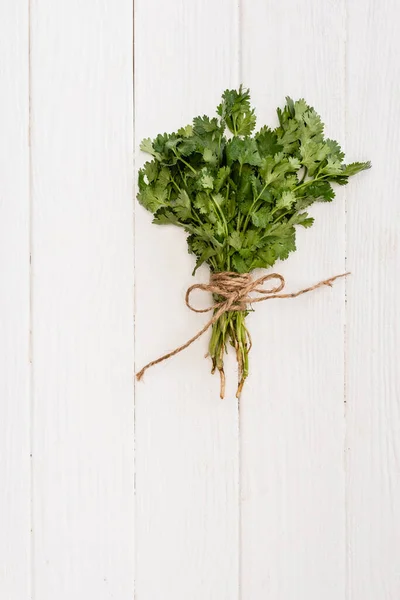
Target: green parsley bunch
{"type": "Point", "coordinates": [239, 195]}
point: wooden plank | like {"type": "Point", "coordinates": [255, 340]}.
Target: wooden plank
{"type": "Point", "coordinates": [14, 302]}
{"type": "Point", "coordinates": [186, 54]}
{"type": "Point", "coordinates": [82, 149]}
{"type": "Point", "coordinates": [292, 427]}
{"type": "Point", "coordinates": [373, 329]}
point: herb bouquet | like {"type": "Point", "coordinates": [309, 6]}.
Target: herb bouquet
{"type": "Point", "coordinates": [239, 196]}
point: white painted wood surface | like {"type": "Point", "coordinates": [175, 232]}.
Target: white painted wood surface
{"type": "Point", "coordinates": [373, 321]}
{"type": "Point", "coordinates": [294, 495]}
{"type": "Point", "coordinates": [82, 317]}
{"type": "Point", "coordinates": [14, 302]}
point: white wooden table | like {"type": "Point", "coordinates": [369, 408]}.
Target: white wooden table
{"type": "Point", "coordinates": [164, 492]}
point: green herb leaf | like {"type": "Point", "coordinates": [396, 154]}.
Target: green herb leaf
{"type": "Point", "coordinates": [241, 198]}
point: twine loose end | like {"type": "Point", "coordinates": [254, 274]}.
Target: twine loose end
{"type": "Point", "coordinates": [139, 375]}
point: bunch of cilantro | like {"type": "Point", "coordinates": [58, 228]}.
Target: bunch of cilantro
{"type": "Point", "coordinates": [239, 195]}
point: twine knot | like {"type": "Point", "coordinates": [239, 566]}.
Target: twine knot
{"type": "Point", "coordinates": [232, 292]}
{"type": "Point", "coordinates": [235, 290]}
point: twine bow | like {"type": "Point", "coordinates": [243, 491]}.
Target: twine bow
{"type": "Point", "coordinates": [235, 289]}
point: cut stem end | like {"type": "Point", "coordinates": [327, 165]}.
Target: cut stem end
{"type": "Point", "coordinates": [222, 384]}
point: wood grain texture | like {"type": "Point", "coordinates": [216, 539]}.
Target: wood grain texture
{"type": "Point", "coordinates": [14, 302]}
{"type": "Point", "coordinates": [297, 495]}
{"type": "Point", "coordinates": [373, 326]}
{"type": "Point", "coordinates": [82, 149]}
{"type": "Point", "coordinates": [186, 54]}
{"type": "Point", "coordinates": [292, 413]}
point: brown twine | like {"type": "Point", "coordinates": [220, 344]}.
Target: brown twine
{"type": "Point", "coordinates": [235, 289]}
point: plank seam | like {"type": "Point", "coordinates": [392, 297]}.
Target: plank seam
{"type": "Point", "coordinates": [134, 294]}
{"type": "Point", "coordinates": [239, 427]}
{"type": "Point", "coordinates": [31, 586]}
{"type": "Point", "coordinates": [345, 333]}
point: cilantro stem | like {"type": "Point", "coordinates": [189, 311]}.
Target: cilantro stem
{"type": "Point", "coordinates": [195, 230]}
{"type": "Point", "coordinates": [221, 215]}
{"type": "Point", "coordinates": [253, 206]}
{"type": "Point", "coordinates": [180, 173]}
{"type": "Point", "coordinates": [273, 211]}
{"type": "Point", "coordinates": [184, 162]}
{"type": "Point", "coordinates": [219, 148]}
{"type": "Point", "coordinates": [309, 182]}
{"type": "Point", "coordinates": [234, 125]}
{"type": "Point", "coordinates": [213, 263]}
{"type": "Point", "coordinates": [175, 184]}
{"type": "Point", "coordinates": [304, 175]}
